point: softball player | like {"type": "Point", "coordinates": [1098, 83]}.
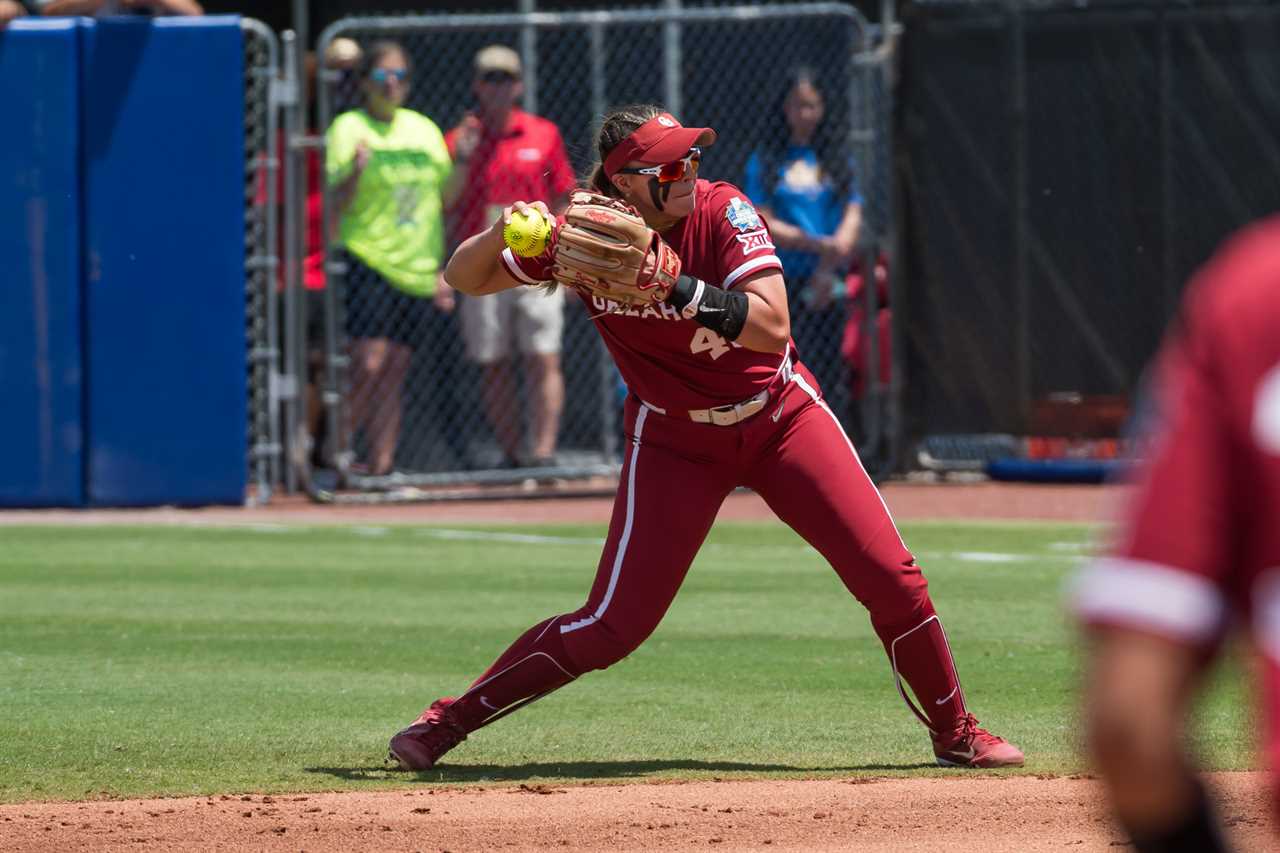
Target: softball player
{"type": "Point", "coordinates": [717, 401]}
{"type": "Point", "coordinates": [1199, 552]}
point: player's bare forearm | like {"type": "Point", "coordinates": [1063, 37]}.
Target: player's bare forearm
{"type": "Point", "coordinates": [768, 326]}
{"type": "Point", "coordinates": [475, 267]}
{"type": "Point", "coordinates": [1137, 697]}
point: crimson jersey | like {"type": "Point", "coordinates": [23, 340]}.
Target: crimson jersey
{"type": "Point", "coordinates": [1202, 544]}
{"type": "Point", "coordinates": [668, 361]}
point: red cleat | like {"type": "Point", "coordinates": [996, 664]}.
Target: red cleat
{"type": "Point", "coordinates": [427, 738]}
{"type": "Point", "coordinates": [967, 745]}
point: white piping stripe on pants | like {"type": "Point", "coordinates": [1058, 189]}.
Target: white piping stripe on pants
{"type": "Point", "coordinates": [808, 389]}
{"type": "Point", "coordinates": [626, 529]}
{"type": "Point", "coordinates": [507, 669]}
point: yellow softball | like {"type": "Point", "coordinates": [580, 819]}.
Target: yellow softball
{"type": "Point", "coordinates": [526, 234]}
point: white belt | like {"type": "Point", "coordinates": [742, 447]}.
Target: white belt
{"type": "Point", "coordinates": [738, 412]}
{"type": "Point", "coordinates": [733, 413]}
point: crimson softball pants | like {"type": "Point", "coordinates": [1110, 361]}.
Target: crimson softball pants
{"type": "Point", "coordinates": [675, 476]}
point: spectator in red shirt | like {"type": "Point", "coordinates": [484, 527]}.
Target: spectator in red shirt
{"type": "Point", "coordinates": [513, 155]}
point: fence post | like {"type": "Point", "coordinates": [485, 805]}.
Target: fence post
{"type": "Point", "coordinates": [263, 261]}
{"type": "Point", "coordinates": [1020, 208]}
{"type": "Point", "coordinates": [672, 57]}
{"type": "Point", "coordinates": [599, 103]}
{"type": "Point", "coordinates": [1164, 76]}
{"type": "Point", "coordinates": [294, 203]}
{"type": "Point", "coordinates": [890, 30]}
{"type": "Point", "coordinates": [529, 57]}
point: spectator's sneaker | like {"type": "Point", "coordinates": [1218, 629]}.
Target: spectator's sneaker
{"type": "Point", "coordinates": [427, 738]}
{"type": "Point", "coordinates": [967, 745]}
{"type": "Point", "coordinates": [545, 462]}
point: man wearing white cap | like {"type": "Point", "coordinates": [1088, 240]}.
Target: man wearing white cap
{"type": "Point", "coordinates": [512, 155]}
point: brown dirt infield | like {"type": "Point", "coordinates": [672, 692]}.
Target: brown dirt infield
{"type": "Point", "coordinates": [993, 814]}
{"type": "Point", "coordinates": [983, 812]}
{"type": "Point", "coordinates": [906, 501]}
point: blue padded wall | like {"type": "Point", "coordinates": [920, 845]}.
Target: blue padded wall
{"type": "Point", "coordinates": [163, 112]}
{"type": "Point", "coordinates": [41, 433]}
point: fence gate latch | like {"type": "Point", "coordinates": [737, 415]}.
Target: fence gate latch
{"type": "Point", "coordinates": [283, 93]}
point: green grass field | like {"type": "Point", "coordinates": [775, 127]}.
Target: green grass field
{"type": "Point", "coordinates": [191, 660]}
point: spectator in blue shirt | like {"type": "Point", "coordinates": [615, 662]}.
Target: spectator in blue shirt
{"type": "Point", "coordinates": [802, 180]}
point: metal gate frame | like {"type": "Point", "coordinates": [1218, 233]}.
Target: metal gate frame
{"type": "Point", "coordinates": [870, 141]}
{"type": "Point", "coordinates": [262, 168]}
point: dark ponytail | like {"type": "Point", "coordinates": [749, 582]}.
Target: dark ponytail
{"type": "Point", "coordinates": [617, 126]}
{"type": "Point", "coordinates": [831, 148]}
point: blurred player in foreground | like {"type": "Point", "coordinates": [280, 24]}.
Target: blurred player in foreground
{"type": "Point", "coordinates": [1199, 551]}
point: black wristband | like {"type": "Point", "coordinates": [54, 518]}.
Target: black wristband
{"type": "Point", "coordinates": [721, 311]}
{"type": "Point", "coordinates": [684, 292]}
{"type": "Point", "coordinates": [1197, 831]}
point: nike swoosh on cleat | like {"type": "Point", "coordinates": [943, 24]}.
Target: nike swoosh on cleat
{"type": "Point", "coordinates": [957, 757]}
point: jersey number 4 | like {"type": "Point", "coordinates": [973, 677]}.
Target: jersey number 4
{"type": "Point", "coordinates": [705, 340]}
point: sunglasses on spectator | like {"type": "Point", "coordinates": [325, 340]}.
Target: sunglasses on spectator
{"type": "Point", "coordinates": [382, 75]}
{"type": "Point", "coordinates": [497, 77]}
{"type": "Point", "coordinates": [671, 172]}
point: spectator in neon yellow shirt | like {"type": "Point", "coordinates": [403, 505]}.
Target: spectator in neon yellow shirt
{"type": "Point", "coordinates": [390, 172]}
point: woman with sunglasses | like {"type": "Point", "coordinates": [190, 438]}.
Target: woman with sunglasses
{"type": "Point", "coordinates": [390, 176]}
{"type": "Point", "coordinates": [717, 400]}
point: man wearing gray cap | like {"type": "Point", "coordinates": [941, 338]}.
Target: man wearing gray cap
{"type": "Point", "coordinates": [512, 155]}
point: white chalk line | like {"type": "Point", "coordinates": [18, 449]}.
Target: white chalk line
{"type": "Point", "coordinates": [1059, 551]}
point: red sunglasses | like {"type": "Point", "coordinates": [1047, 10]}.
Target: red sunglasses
{"type": "Point", "coordinates": [670, 172]}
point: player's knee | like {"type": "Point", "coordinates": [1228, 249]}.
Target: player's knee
{"type": "Point", "coordinates": [899, 594]}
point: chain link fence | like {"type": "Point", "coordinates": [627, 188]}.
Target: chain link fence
{"type": "Point", "coordinates": [725, 67]}
{"type": "Point", "coordinates": [1065, 169]}
{"type": "Point", "coordinates": [261, 70]}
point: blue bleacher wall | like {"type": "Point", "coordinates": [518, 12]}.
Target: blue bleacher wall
{"type": "Point", "coordinates": [128, 239]}
{"type": "Point", "coordinates": [41, 428]}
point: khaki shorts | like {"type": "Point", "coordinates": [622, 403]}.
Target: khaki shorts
{"type": "Point", "coordinates": [527, 320]}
